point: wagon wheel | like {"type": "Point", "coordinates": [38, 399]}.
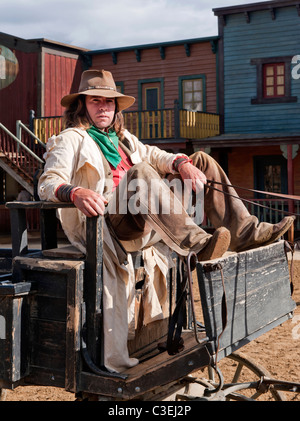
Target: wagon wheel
{"type": "Point", "coordinates": [247, 370]}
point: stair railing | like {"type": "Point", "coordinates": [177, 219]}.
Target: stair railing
{"type": "Point", "coordinates": [20, 126]}
{"type": "Point", "coordinates": [20, 161]}
{"type": "Point", "coordinates": [20, 144]}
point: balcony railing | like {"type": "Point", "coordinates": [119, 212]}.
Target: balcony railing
{"type": "Point", "coordinates": [168, 123]}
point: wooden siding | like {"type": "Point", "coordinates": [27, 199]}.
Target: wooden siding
{"type": "Point", "coordinates": [151, 66]}
{"type": "Point", "coordinates": [242, 175]}
{"type": "Point", "coordinates": [262, 37]}
{"type": "Point", "coordinates": [20, 97]}
{"type": "Point", "coordinates": [61, 77]}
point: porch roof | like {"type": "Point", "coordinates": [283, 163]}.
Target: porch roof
{"type": "Point", "coordinates": [230, 140]}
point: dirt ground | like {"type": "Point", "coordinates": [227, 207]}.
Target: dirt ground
{"type": "Point", "coordinates": [277, 351]}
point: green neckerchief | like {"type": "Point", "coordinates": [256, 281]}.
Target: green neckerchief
{"type": "Point", "coordinates": [101, 138]}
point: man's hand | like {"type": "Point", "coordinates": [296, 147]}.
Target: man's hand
{"type": "Point", "coordinates": [89, 202]}
{"type": "Point", "coordinates": [188, 171]}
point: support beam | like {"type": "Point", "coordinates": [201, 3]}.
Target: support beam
{"type": "Point", "coordinates": [290, 169]}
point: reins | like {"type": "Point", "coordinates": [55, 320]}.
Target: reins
{"type": "Point", "coordinates": [174, 342]}
{"type": "Point", "coordinates": [280, 195]}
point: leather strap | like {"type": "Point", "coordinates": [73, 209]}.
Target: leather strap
{"type": "Point", "coordinates": [175, 342]}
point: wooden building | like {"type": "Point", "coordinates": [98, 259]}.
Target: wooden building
{"type": "Point", "coordinates": [259, 97]}
{"type": "Point", "coordinates": [175, 87]}
{"type": "Point", "coordinates": [34, 75]}
{"type": "Point", "coordinates": [47, 70]}
{"type": "Point", "coordinates": [234, 95]}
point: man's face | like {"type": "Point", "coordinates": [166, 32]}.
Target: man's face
{"type": "Point", "coordinates": [101, 110]}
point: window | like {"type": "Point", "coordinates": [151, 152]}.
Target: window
{"type": "Point", "coordinates": [120, 87]}
{"type": "Point", "coordinates": [192, 93]}
{"type": "Point", "coordinates": [270, 174]}
{"type": "Point", "coordinates": [272, 178]}
{"type": "Point", "coordinates": [274, 80]}
{"type": "Point", "coordinates": [273, 76]}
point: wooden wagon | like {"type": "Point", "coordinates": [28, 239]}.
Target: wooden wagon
{"type": "Point", "coordinates": [51, 318]}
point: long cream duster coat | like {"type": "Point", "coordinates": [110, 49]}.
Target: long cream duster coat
{"type": "Point", "coordinates": [74, 158]}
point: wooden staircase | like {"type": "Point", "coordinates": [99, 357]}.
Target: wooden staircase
{"type": "Point", "coordinates": [21, 157]}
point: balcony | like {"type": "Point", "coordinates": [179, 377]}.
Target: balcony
{"type": "Point", "coordinates": [169, 126]}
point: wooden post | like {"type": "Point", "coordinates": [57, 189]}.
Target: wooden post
{"type": "Point", "coordinates": [290, 168]}
{"type": "Point", "coordinates": [93, 287]}
{"type": "Point", "coordinates": [18, 232]}
{"type": "Point", "coordinates": [176, 120]}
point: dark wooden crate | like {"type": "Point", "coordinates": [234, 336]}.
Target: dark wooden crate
{"type": "Point", "coordinates": [54, 313]}
{"type": "Point", "coordinates": [257, 295]}
{"type": "Point", "coordinates": [14, 315]}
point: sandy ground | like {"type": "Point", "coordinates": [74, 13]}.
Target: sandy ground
{"type": "Point", "coordinates": [277, 351]}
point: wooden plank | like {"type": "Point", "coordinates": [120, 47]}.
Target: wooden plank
{"type": "Point", "coordinates": [48, 339]}
{"type": "Point", "coordinates": [93, 289]}
{"type": "Point", "coordinates": [73, 328]}
{"type": "Point", "coordinates": [45, 377]}
{"type": "Point", "coordinates": [50, 308]}
{"type": "Point", "coordinates": [257, 290]}
{"type": "Point", "coordinates": [151, 373]}
{"type": "Point", "coordinates": [67, 252]}
{"type": "Point", "coordinates": [14, 335]}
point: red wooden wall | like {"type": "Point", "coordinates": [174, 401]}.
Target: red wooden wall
{"type": "Point", "coordinates": [61, 77]}
{"type": "Point", "coordinates": [176, 63]}
{"type": "Point", "coordinates": [17, 99]}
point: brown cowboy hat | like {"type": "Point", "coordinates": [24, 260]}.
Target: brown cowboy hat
{"type": "Point", "coordinates": [99, 83]}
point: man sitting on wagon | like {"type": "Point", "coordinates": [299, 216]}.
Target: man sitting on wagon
{"type": "Point", "coordinates": [105, 170]}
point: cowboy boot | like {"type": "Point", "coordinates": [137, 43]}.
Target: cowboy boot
{"type": "Point", "coordinates": [278, 230]}
{"type": "Point", "coordinates": [216, 246]}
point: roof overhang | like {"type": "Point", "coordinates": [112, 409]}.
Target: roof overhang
{"type": "Point", "coordinates": [254, 7]}
{"type": "Point", "coordinates": [244, 140]}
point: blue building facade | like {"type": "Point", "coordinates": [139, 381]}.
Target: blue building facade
{"type": "Point", "coordinates": [259, 100]}
{"type": "Point", "coordinates": [254, 38]}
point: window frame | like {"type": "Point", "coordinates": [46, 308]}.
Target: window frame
{"type": "Point", "coordinates": [192, 77]}
{"type": "Point", "coordinates": [275, 76]}
{"type": "Point", "coordinates": [142, 82]}
{"type": "Point", "coordinates": [260, 63]}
